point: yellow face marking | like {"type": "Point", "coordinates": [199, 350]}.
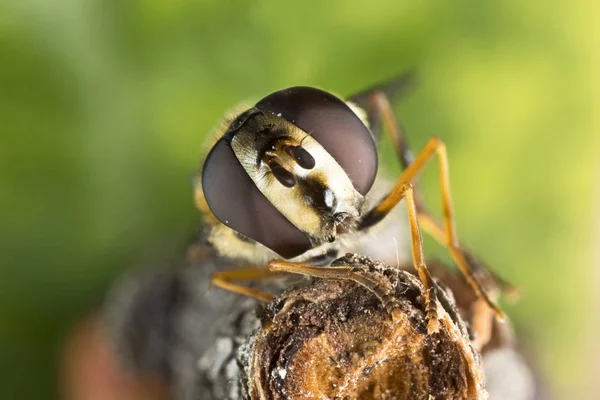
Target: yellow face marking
{"type": "Point", "coordinates": [295, 203]}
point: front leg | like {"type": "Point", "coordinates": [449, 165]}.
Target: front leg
{"type": "Point", "coordinates": [383, 208]}
{"type": "Point", "coordinates": [349, 273]}
{"type": "Point", "coordinates": [226, 279]}
{"type": "Point", "coordinates": [477, 273]}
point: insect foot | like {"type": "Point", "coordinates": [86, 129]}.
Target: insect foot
{"type": "Point", "coordinates": [334, 338]}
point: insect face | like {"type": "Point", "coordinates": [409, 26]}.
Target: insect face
{"type": "Point", "coordinates": [298, 176]}
{"type": "Point", "coordinates": [291, 172]}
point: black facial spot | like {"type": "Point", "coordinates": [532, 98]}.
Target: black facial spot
{"type": "Point", "coordinates": [302, 157]}
{"type": "Point", "coordinates": [285, 177]}
{"type": "Point", "coordinates": [314, 191]}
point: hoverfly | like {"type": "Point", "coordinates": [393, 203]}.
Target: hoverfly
{"type": "Point", "coordinates": [287, 183]}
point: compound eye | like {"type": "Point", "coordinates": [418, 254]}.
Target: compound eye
{"type": "Point", "coordinates": [334, 125]}
{"type": "Point", "coordinates": [234, 199]}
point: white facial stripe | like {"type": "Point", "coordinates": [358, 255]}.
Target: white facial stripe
{"type": "Point", "coordinates": [339, 186]}
{"type": "Point", "coordinates": [340, 192]}
{"type": "Point", "coordinates": [329, 198]}
{"type": "Point", "coordinates": [325, 165]}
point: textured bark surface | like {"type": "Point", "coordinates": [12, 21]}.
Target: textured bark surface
{"type": "Point", "coordinates": [320, 336]}
{"type": "Point", "coordinates": [334, 340]}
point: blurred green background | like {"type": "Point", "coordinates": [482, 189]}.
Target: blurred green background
{"type": "Point", "coordinates": [104, 107]}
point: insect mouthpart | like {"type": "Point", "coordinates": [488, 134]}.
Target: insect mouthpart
{"type": "Point", "coordinates": [344, 222]}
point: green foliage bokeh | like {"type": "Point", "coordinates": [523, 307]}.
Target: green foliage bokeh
{"type": "Point", "coordinates": [105, 105]}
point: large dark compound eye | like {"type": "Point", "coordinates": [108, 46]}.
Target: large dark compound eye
{"type": "Point", "coordinates": [235, 200]}
{"type": "Point", "coordinates": [334, 125]}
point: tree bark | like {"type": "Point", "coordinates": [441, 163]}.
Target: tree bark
{"type": "Point", "coordinates": [320, 338]}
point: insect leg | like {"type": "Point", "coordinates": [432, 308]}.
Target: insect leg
{"type": "Point", "coordinates": [394, 88]}
{"type": "Point", "coordinates": [341, 272]}
{"type": "Point", "coordinates": [446, 235]}
{"type": "Point", "coordinates": [406, 190]}
{"type": "Point", "coordinates": [223, 279]}
{"type": "Point", "coordinates": [379, 103]}
{"type": "Point", "coordinates": [349, 273]}
{"type": "Point", "coordinates": [480, 270]}
{"type": "Point", "coordinates": [482, 321]}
